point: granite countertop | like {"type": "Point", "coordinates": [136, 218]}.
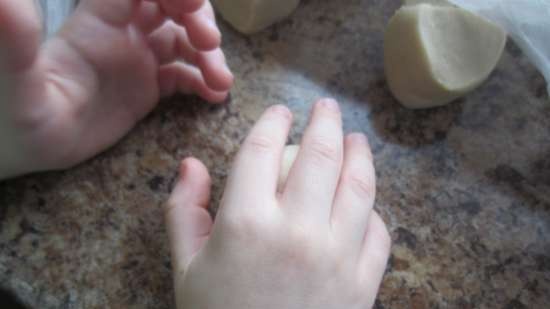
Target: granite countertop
{"type": "Point", "coordinates": [465, 189]}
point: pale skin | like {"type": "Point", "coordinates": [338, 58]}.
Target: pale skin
{"type": "Point", "coordinates": [103, 72]}
{"type": "Point", "coordinates": [315, 243]}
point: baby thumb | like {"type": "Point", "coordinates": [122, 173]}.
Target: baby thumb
{"type": "Point", "coordinates": [187, 218]}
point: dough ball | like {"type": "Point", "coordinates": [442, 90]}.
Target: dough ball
{"type": "Point", "coordinates": [436, 54]}
{"type": "Point", "coordinates": [250, 16]}
{"type": "Point", "coordinates": [289, 156]}
{"type": "Point", "coordinates": [434, 2]}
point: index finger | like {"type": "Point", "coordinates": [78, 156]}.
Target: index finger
{"type": "Point", "coordinates": [253, 180]}
{"type": "Point", "coordinates": [312, 182]}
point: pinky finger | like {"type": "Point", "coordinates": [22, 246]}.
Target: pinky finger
{"type": "Point", "coordinates": [179, 77]}
{"type": "Point", "coordinates": [188, 222]}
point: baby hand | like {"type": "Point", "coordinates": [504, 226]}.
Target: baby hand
{"type": "Point", "coordinates": [85, 88]}
{"type": "Point", "coordinates": [316, 244]}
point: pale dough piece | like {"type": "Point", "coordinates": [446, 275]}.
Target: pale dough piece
{"type": "Point", "coordinates": [436, 54]}
{"type": "Point", "coordinates": [289, 156]}
{"type": "Point", "coordinates": [250, 16]}
{"type": "Point", "coordinates": [434, 2]}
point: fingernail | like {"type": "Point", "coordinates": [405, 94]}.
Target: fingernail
{"type": "Point", "coordinates": [281, 110]}
{"type": "Point", "coordinates": [359, 138]}
{"type": "Point", "coordinates": [330, 104]}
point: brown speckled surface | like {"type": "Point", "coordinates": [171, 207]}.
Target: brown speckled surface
{"type": "Point", "coordinates": [465, 189]}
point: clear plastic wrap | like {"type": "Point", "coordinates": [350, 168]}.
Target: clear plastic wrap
{"type": "Point", "coordinates": [527, 23]}
{"type": "Point", "coordinates": [54, 13]}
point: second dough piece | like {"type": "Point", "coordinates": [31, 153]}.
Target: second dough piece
{"type": "Point", "coordinates": [436, 54]}
{"type": "Point", "coordinates": [250, 16]}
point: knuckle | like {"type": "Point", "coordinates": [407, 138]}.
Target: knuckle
{"type": "Point", "coordinates": [248, 228]}
{"type": "Point", "coordinates": [380, 257]}
{"type": "Point", "coordinates": [300, 237]}
{"type": "Point", "coordinates": [301, 248]}
{"type": "Point", "coordinates": [324, 151]}
{"type": "Point", "coordinates": [361, 185]}
{"type": "Point", "coordinates": [169, 206]}
{"type": "Point", "coordinates": [338, 267]}
{"type": "Point", "coordinates": [384, 241]}
{"type": "Point", "coordinates": [238, 226]}
{"type": "Point", "coordinates": [259, 144]}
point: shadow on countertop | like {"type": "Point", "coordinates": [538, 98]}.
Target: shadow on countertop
{"type": "Point", "coordinates": [9, 301]}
